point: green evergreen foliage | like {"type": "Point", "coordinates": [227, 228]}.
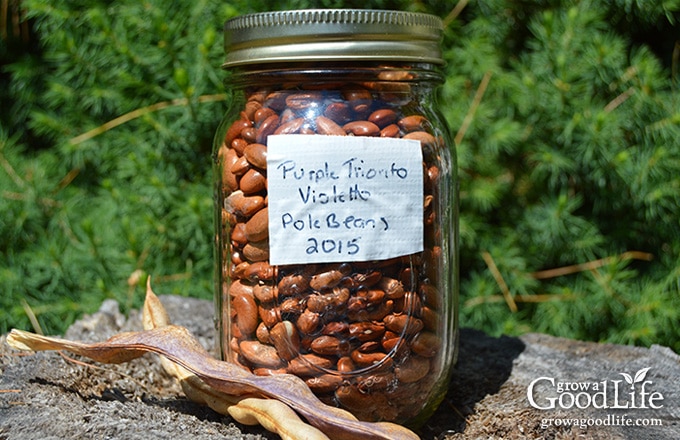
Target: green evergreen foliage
{"type": "Point", "coordinates": [566, 116]}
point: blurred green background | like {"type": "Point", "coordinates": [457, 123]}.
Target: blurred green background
{"type": "Point", "coordinates": [566, 116]}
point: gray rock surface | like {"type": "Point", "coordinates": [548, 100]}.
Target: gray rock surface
{"type": "Point", "coordinates": [54, 396]}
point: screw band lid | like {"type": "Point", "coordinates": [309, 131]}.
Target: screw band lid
{"type": "Point", "coordinates": [332, 35]}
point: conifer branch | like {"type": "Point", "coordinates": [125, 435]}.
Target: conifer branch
{"type": "Point", "coordinates": [127, 117]}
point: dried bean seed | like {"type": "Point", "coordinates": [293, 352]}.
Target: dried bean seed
{"type": "Point", "coordinates": [256, 250]}
{"type": "Point", "coordinates": [414, 369]}
{"type": "Point", "coordinates": [260, 354]}
{"type": "Point", "coordinates": [267, 127]}
{"type": "Point", "coordinates": [325, 383]}
{"type": "Point", "coordinates": [240, 166]}
{"type": "Point", "coordinates": [253, 182]}
{"type": "Point", "coordinates": [327, 126]}
{"type": "Point", "coordinates": [284, 336]}
{"type": "Point", "coordinates": [256, 154]}
{"type": "Point", "coordinates": [309, 365]}
{"type": "Point", "coordinates": [383, 117]}
{"type": "Point", "coordinates": [257, 228]}
{"type": "Point", "coordinates": [361, 128]}
{"type": "Point", "coordinates": [413, 123]}
{"type": "Point", "coordinates": [246, 313]}
{"type": "Point", "coordinates": [239, 204]}
{"type": "Point", "coordinates": [330, 345]}
{"type": "Point", "coordinates": [290, 127]}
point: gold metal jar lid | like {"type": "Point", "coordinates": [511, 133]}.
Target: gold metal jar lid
{"type": "Point", "coordinates": [332, 35]}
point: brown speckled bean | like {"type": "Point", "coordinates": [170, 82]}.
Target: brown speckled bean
{"type": "Point", "coordinates": [362, 128]}
{"type": "Point", "coordinates": [260, 354]}
{"type": "Point", "coordinates": [327, 126]}
{"type": "Point", "coordinates": [257, 228]}
{"type": "Point", "coordinates": [256, 155]}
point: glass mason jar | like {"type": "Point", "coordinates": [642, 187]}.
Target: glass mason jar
{"type": "Point", "coordinates": [336, 209]}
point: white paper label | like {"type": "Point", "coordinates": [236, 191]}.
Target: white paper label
{"type": "Point", "coordinates": [343, 198]}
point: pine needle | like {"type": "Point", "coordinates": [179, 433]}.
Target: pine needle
{"type": "Point", "coordinates": [127, 117]}
{"type": "Point", "coordinates": [488, 259]}
{"type": "Point", "coordinates": [619, 100]}
{"type": "Point", "coordinates": [455, 12]}
{"type": "Point", "coordinates": [31, 317]}
{"type": "Point", "coordinates": [473, 108]}
{"type": "Point", "coordinates": [590, 265]}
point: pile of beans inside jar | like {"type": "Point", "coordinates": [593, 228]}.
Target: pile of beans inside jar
{"type": "Point", "coordinates": [363, 335]}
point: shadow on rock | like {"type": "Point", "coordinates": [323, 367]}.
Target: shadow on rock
{"type": "Point", "coordinates": [484, 364]}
